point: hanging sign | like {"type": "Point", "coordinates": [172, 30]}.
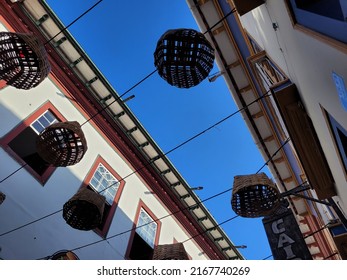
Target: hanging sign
{"type": "Point", "coordinates": [285, 238]}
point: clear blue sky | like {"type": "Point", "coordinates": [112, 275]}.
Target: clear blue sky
{"type": "Point", "coordinates": [120, 37]}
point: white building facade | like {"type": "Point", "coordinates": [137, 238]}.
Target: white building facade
{"type": "Point", "coordinates": [291, 54]}
{"type": "Point", "coordinates": [149, 203]}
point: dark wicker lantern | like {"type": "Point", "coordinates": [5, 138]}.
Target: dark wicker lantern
{"type": "Point", "coordinates": [183, 57]}
{"type": "Point", "coordinates": [174, 251]}
{"type": "Point", "coordinates": [23, 60]}
{"type": "Point", "coordinates": [64, 255]}
{"type": "Point", "coordinates": [84, 211]}
{"type": "Point", "coordinates": [2, 197]}
{"type": "Point", "coordinates": [62, 144]}
{"type": "Point", "coordinates": [254, 196]}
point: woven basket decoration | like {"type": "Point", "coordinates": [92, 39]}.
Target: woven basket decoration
{"type": "Point", "coordinates": [23, 60]}
{"type": "Point", "coordinates": [62, 144]}
{"type": "Point", "coordinates": [174, 251]}
{"type": "Point", "coordinates": [254, 196]}
{"type": "Point", "coordinates": [2, 197]}
{"type": "Point", "coordinates": [183, 57]}
{"type": "Point", "coordinates": [64, 255]}
{"type": "Point", "coordinates": [84, 210]}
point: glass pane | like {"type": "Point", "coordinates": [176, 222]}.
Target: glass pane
{"type": "Point", "coordinates": [38, 127]}
{"type": "Point", "coordinates": [44, 121]}
{"type": "Point", "coordinates": [105, 183]}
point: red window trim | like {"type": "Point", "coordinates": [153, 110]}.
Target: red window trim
{"type": "Point", "coordinates": [112, 211]}
{"type": "Point", "coordinates": [19, 128]}
{"type": "Point", "coordinates": [136, 218]}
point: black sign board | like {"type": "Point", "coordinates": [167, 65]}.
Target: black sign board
{"type": "Point", "coordinates": [285, 238]}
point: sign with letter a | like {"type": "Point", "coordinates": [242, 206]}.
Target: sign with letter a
{"type": "Point", "coordinates": [285, 238]}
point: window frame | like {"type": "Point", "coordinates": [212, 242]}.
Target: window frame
{"type": "Point", "coordinates": [142, 205]}
{"type": "Point", "coordinates": [86, 183]}
{"type": "Point", "coordinates": [333, 125]}
{"type": "Point", "coordinates": [327, 39]}
{"type": "Point", "coordinates": [270, 102]}
{"type": "Point", "coordinates": [6, 139]}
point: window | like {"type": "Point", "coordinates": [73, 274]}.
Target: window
{"type": "Point", "coordinates": [327, 17]}
{"type": "Point", "coordinates": [45, 120]}
{"type": "Point", "coordinates": [340, 139]}
{"type": "Point", "coordinates": [105, 181]}
{"type": "Point", "coordinates": [269, 76]}
{"type": "Point", "coordinates": [146, 228]}
{"type": "Point", "coordinates": [145, 236]}
{"type": "Point", "coordinates": [21, 141]}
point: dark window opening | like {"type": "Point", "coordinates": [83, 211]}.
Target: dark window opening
{"type": "Point", "coordinates": [24, 145]}
{"type": "Point", "coordinates": [327, 8]}
{"type": "Point", "coordinates": [104, 215]}
{"type": "Point", "coordinates": [140, 250]}
{"type": "Point", "coordinates": [343, 139]}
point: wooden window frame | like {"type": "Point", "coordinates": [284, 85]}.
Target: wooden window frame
{"type": "Point", "coordinates": [105, 228]}
{"type": "Point", "coordinates": [314, 34]}
{"type": "Point", "coordinates": [252, 60]}
{"type": "Point", "coordinates": [143, 206]}
{"type": "Point", "coordinates": [4, 141]}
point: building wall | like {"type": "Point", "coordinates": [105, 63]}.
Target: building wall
{"type": "Point", "coordinates": [28, 200]}
{"type": "Point", "coordinates": [309, 62]}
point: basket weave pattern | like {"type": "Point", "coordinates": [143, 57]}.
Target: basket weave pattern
{"type": "Point", "coordinates": [23, 60]}
{"type": "Point", "coordinates": [183, 57]}
{"type": "Point", "coordinates": [174, 251]}
{"type": "Point", "coordinates": [84, 210]}
{"type": "Point", "coordinates": [254, 196]}
{"type": "Point", "coordinates": [62, 144]}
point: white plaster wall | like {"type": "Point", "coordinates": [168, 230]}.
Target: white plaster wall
{"type": "Point", "coordinates": [309, 63]}
{"type": "Point", "coordinates": [28, 200]}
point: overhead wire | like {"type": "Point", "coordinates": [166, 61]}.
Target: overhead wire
{"type": "Point", "coordinates": [151, 161]}
{"type": "Point", "coordinates": [75, 20]}
{"type": "Point", "coordinates": [175, 148]}
{"type": "Point", "coordinates": [173, 213]}
{"type": "Point", "coordinates": [118, 98]}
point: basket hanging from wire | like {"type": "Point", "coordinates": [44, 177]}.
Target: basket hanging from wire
{"type": "Point", "coordinates": [84, 211]}
{"type": "Point", "coordinates": [183, 57]}
{"type": "Point", "coordinates": [64, 255]}
{"type": "Point", "coordinates": [254, 196]}
{"type": "Point", "coordinates": [23, 60]}
{"type": "Point", "coordinates": [174, 251]}
{"type": "Point", "coordinates": [62, 144]}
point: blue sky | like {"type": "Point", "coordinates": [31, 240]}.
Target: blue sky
{"type": "Point", "coordinates": [120, 37]}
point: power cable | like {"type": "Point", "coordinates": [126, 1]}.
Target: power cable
{"type": "Point", "coordinates": [119, 97]}
{"type": "Point", "coordinates": [173, 213]}
{"type": "Point", "coordinates": [69, 25]}
{"type": "Point", "coordinates": [151, 161]}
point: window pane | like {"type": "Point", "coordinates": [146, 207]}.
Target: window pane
{"type": "Point", "coordinates": [146, 228]}
{"type": "Point", "coordinates": [38, 127]}
{"type": "Point", "coordinates": [43, 121]}
{"type": "Point", "coordinates": [104, 183]}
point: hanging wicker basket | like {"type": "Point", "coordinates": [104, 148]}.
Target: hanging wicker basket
{"type": "Point", "coordinates": [174, 251]}
{"type": "Point", "coordinates": [23, 60]}
{"type": "Point", "coordinates": [62, 144]}
{"type": "Point", "coordinates": [84, 211]}
{"type": "Point", "coordinates": [2, 197]}
{"type": "Point", "coordinates": [183, 57]}
{"type": "Point", "coordinates": [64, 255]}
{"type": "Point", "coordinates": [254, 196]}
